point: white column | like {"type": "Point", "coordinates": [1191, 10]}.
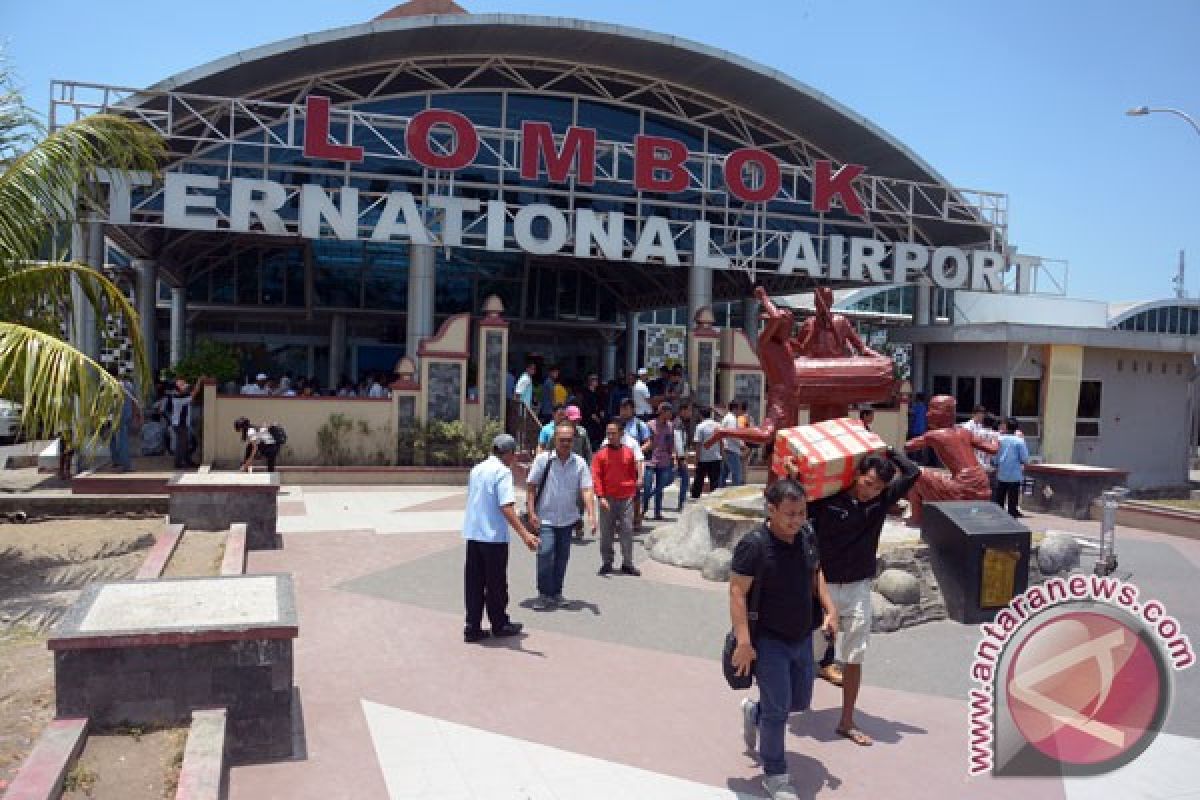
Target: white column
{"type": "Point", "coordinates": [337, 349]}
{"type": "Point", "coordinates": [608, 364]}
{"type": "Point", "coordinates": [178, 313]}
{"type": "Point", "coordinates": [923, 317]}
{"type": "Point", "coordinates": [81, 312]}
{"type": "Point", "coordinates": [631, 341]}
{"type": "Point", "coordinates": [699, 291]}
{"type": "Point", "coordinates": [147, 303]}
{"type": "Point", "coordinates": [422, 258]}
{"type": "Point", "coordinates": [87, 248]}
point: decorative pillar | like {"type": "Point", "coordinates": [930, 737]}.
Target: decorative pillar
{"type": "Point", "coordinates": [741, 376]}
{"type": "Point", "coordinates": [147, 305]}
{"type": "Point", "coordinates": [703, 351]}
{"type": "Point", "coordinates": [492, 361]}
{"type": "Point", "coordinates": [406, 392]}
{"type": "Point", "coordinates": [631, 342]}
{"type": "Point", "coordinates": [422, 258]}
{"type": "Point", "coordinates": [443, 369]}
{"type": "Point", "coordinates": [178, 313]}
{"type": "Point", "coordinates": [337, 349]}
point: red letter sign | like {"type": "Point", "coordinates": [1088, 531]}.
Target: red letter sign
{"type": "Point", "coordinates": [316, 134]}
{"type": "Point", "coordinates": [466, 140]}
{"type": "Point", "coordinates": [579, 145]}
{"type": "Point", "coordinates": [735, 176]}
{"type": "Point", "coordinates": [653, 154]}
{"type": "Point", "coordinates": [827, 185]}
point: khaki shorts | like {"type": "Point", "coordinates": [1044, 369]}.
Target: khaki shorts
{"type": "Point", "coordinates": [853, 604]}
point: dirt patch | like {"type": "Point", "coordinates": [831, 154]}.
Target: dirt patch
{"type": "Point", "coordinates": [127, 764]}
{"type": "Point", "coordinates": [43, 565]}
{"type": "Point", "coordinates": [198, 554]}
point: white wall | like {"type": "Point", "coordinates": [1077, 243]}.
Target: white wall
{"type": "Point", "coordinates": [1033, 309]}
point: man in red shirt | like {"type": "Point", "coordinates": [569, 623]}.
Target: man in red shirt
{"type": "Point", "coordinates": [615, 481]}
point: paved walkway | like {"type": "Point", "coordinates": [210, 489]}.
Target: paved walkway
{"type": "Point", "coordinates": [619, 694]}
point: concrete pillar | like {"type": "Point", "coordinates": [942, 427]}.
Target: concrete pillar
{"type": "Point", "coordinates": [178, 313]}
{"type": "Point", "coordinates": [337, 349]}
{"type": "Point", "coordinates": [608, 364]}
{"type": "Point", "coordinates": [422, 258]}
{"type": "Point", "coordinates": [147, 302]}
{"type": "Point", "coordinates": [699, 291]}
{"type": "Point", "coordinates": [922, 315]}
{"type": "Point", "coordinates": [750, 320]}
{"type": "Point", "coordinates": [631, 341]}
{"type": "Point", "coordinates": [87, 248]}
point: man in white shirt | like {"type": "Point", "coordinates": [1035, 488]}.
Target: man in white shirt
{"type": "Point", "coordinates": [377, 391]}
{"type": "Point", "coordinates": [708, 459]}
{"type": "Point", "coordinates": [976, 425]}
{"type": "Point", "coordinates": [641, 396]}
{"type": "Point", "coordinates": [259, 387]}
{"type": "Point", "coordinates": [732, 473]}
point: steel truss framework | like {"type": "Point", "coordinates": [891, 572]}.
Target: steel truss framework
{"type": "Point", "coordinates": [261, 136]}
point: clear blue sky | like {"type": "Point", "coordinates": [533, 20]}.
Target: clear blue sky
{"type": "Point", "coordinates": [1024, 97]}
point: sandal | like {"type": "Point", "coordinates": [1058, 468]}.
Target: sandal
{"type": "Point", "coordinates": [856, 736]}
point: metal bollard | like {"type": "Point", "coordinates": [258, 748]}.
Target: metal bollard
{"type": "Point", "coordinates": [1106, 562]}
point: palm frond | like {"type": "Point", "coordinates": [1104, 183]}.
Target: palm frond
{"type": "Point", "coordinates": [31, 295]}
{"type": "Point", "coordinates": [43, 186]}
{"type": "Point", "coordinates": [61, 390]}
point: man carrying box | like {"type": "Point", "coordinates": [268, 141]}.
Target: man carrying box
{"type": "Point", "coordinates": [848, 525]}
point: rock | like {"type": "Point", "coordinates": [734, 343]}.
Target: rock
{"type": "Point", "coordinates": [885, 615]}
{"type": "Point", "coordinates": [687, 543]}
{"type": "Point", "coordinates": [899, 587]}
{"type": "Point", "coordinates": [716, 565]}
{"type": "Point", "coordinates": [1057, 553]}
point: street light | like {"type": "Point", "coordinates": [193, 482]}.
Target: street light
{"type": "Point", "coordinates": [1142, 111]}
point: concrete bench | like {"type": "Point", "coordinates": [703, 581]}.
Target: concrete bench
{"type": "Point", "coordinates": [214, 501]}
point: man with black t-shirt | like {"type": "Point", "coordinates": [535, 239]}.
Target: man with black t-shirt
{"type": "Point", "coordinates": [848, 527]}
{"type": "Point", "coordinates": [779, 649]}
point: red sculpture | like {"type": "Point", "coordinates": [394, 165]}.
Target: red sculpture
{"type": "Point", "coordinates": [963, 478]}
{"type": "Point", "coordinates": [825, 366]}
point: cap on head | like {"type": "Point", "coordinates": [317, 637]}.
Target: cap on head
{"type": "Point", "coordinates": [504, 443]}
{"type": "Point", "coordinates": [573, 413]}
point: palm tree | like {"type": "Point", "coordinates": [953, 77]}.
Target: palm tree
{"type": "Point", "coordinates": [45, 186]}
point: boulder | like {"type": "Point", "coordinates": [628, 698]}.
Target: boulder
{"type": "Point", "coordinates": [716, 565]}
{"type": "Point", "coordinates": [687, 543]}
{"type": "Point", "coordinates": [885, 614]}
{"type": "Point", "coordinates": [899, 587]}
{"type": "Point", "coordinates": [1058, 553]}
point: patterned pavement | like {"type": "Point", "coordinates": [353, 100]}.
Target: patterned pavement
{"type": "Point", "coordinates": [619, 694]}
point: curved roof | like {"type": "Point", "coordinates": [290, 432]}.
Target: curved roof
{"type": "Point", "coordinates": [1119, 312]}
{"type": "Point", "coordinates": [794, 106]}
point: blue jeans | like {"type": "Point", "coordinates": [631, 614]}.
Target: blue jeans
{"type": "Point", "coordinates": [554, 549]}
{"type": "Point", "coordinates": [118, 445]}
{"type": "Point", "coordinates": [731, 470]}
{"type": "Point", "coordinates": [657, 480]}
{"type": "Point", "coordinates": [684, 483]}
{"type": "Point", "coordinates": [784, 674]}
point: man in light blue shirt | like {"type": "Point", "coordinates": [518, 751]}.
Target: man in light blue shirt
{"type": "Point", "coordinates": [1010, 462]}
{"type": "Point", "coordinates": [491, 509]}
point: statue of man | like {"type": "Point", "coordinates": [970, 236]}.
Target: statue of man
{"type": "Point", "coordinates": [963, 478]}
{"type": "Point", "coordinates": [828, 335]}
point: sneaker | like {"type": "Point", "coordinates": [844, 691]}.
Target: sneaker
{"type": "Point", "coordinates": [472, 635]}
{"type": "Point", "coordinates": [749, 724]}
{"type": "Point", "coordinates": [630, 569]}
{"type": "Point", "coordinates": [779, 787]}
{"type": "Point", "coordinates": [605, 570]}
{"type": "Point", "coordinates": [509, 629]}
{"type": "Point", "coordinates": [543, 602]}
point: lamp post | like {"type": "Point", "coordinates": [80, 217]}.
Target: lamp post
{"type": "Point", "coordinates": [1142, 111]}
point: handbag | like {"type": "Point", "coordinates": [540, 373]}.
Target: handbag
{"type": "Point", "coordinates": [735, 681]}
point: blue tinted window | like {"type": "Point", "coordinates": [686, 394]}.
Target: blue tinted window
{"type": "Point", "coordinates": [480, 108]}
{"type": "Point", "coordinates": [611, 122]}
{"type": "Point", "coordinates": [557, 111]}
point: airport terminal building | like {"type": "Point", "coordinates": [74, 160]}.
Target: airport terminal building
{"type": "Point", "coordinates": [331, 200]}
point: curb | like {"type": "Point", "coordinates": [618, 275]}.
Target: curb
{"type": "Point", "coordinates": [234, 562]}
{"type": "Point", "coordinates": [41, 776]}
{"type": "Point", "coordinates": [156, 560]}
{"type": "Point", "coordinates": [202, 774]}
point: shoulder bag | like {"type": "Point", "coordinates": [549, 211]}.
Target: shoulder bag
{"type": "Point", "coordinates": [735, 681]}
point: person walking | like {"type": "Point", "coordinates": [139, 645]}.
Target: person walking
{"type": "Point", "coordinates": [683, 440]}
{"type": "Point", "coordinates": [641, 396]}
{"type": "Point", "coordinates": [260, 443]}
{"type": "Point", "coordinates": [181, 408]}
{"type": "Point", "coordinates": [660, 450]}
{"type": "Point", "coordinates": [732, 466]}
{"type": "Point", "coordinates": [615, 479]}
{"type": "Point", "coordinates": [708, 459]}
{"type": "Point", "coordinates": [491, 511]}
{"type": "Point", "coordinates": [848, 526]}
{"type": "Point", "coordinates": [557, 482]}
{"type": "Point", "coordinates": [781, 553]}
{"type": "Point", "coordinates": [1010, 467]}
{"type": "Point", "coordinates": [131, 417]}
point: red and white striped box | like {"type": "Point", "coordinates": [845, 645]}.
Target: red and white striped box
{"type": "Point", "coordinates": [824, 456]}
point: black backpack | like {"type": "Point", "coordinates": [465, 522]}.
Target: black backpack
{"type": "Point", "coordinates": [277, 433]}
